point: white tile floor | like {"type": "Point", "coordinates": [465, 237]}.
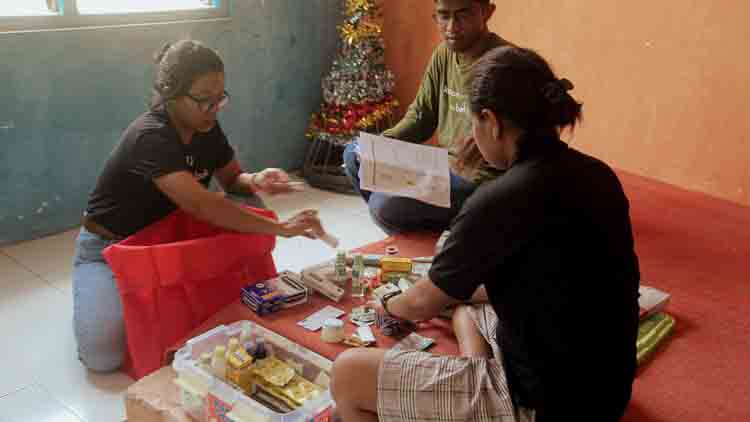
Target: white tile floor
{"type": "Point", "coordinates": [40, 377]}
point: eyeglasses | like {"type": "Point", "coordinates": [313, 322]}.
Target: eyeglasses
{"type": "Point", "coordinates": [460, 17]}
{"type": "Point", "coordinates": [208, 104]}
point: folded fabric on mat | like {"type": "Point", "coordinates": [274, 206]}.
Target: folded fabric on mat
{"type": "Point", "coordinates": [652, 332]}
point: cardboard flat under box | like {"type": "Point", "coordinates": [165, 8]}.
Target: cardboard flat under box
{"type": "Point", "coordinates": [155, 398]}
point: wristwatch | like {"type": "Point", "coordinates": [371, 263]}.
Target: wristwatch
{"type": "Point", "coordinates": [384, 302]}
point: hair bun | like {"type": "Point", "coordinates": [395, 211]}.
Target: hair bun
{"type": "Point", "coordinates": [555, 91]}
{"type": "Point", "coordinates": [566, 84]}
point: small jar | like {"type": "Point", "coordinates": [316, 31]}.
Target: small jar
{"type": "Point", "coordinates": [340, 274]}
{"type": "Point", "coordinates": [333, 331]}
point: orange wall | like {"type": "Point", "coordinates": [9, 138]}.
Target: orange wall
{"type": "Point", "coordinates": [410, 36]}
{"type": "Point", "coordinates": [665, 84]}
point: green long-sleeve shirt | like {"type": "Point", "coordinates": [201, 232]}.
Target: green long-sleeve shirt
{"type": "Point", "coordinates": [442, 102]}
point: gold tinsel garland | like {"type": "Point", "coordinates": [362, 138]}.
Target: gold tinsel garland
{"type": "Point", "coordinates": [349, 120]}
{"type": "Point", "coordinates": [353, 33]}
{"type": "Point", "coordinates": [358, 27]}
{"type": "Point", "coordinates": [360, 6]}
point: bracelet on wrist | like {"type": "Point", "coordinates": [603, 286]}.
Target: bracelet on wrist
{"type": "Point", "coordinates": [384, 302]}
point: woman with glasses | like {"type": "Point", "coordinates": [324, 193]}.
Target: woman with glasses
{"type": "Point", "coordinates": [165, 160]}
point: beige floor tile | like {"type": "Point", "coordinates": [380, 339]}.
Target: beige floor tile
{"type": "Point", "coordinates": [50, 257]}
{"type": "Point", "coordinates": [11, 271]}
{"type": "Point", "coordinates": [298, 253]}
{"type": "Point", "coordinates": [357, 230]}
{"type": "Point", "coordinates": [18, 288]}
{"type": "Point", "coordinates": [44, 352]}
{"type": "Point", "coordinates": [94, 397]}
{"type": "Point", "coordinates": [33, 404]}
{"type": "Point", "coordinates": [35, 319]}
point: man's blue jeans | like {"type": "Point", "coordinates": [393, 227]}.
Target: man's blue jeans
{"type": "Point", "coordinates": [396, 214]}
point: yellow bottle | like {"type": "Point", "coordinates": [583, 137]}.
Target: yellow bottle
{"type": "Point", "coordinates": [239, 370]}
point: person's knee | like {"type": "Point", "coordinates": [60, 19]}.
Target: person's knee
{"type": "Point", "coordinates": [100, 333]}
{"type": "Point", "coordinates": [101, 349]}
{"type": "Point", "coordinates": [343, 373]}
{"type": "Point", "coordinates": [392, 214]}
{"type": "Point", "coordinates": [354, 378]}
{"type": "Point", "coordinates": [102, 362]}
{"type": "Point", "coordinates": [461, 315]}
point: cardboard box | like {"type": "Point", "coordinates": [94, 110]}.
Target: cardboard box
{"type": "Point", "coordinates": [155, 398]}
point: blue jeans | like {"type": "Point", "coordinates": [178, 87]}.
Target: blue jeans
{"type": "Point", "coordinates": [97, 310]}
{"type": "Point", "coordinates": [98, 321]}
{"type": "Point", "coordinates": [395, 214]}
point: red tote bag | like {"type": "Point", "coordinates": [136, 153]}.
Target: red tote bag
{"type": "Point", "coordinates": [175, 274]}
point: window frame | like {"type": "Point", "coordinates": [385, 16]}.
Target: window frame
{"type": "Point", "coordinates": [68, 18]}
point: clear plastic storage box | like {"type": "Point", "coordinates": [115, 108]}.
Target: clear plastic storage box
{"type": "Point", "coordinates": [209, 399]}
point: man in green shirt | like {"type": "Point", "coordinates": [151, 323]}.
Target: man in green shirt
{"type": "Point", "coordinates": [440, 106]}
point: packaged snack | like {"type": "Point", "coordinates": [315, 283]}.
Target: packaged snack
{"type": "Point", "coordinates": [395, 264]}
{"type": "Point", "coordinates": [274, 371]}
{"type": "Point", "coordinates": [239, 370]}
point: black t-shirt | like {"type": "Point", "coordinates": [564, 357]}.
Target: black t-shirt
{"type": "Point", "coordinates": [552, 242]}
{"type": "Point", "coordinates": [126, 198]}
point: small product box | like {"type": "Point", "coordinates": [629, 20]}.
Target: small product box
{"type": "Point", "coordinates": [281, 292]}
{"type": "Point", "coordinates": [395, 264]}
{"type": "Point", "coordinates": [262, 298]}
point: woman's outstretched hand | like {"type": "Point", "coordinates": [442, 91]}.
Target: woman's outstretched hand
{"type": "Point", "coordinates": [275, 181]}
{"type": "Point", "coordinates": [305, 223]}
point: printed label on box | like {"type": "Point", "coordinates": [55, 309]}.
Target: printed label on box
{"type": "Point", "coordinates": [217, 409]}
{"type": "Point", "coordinates": [325, 416]}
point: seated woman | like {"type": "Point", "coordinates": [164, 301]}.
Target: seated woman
{"type": "Point", "coordinates": [164, 161]}
{"type": "Point", "coordinates": [547, 248]}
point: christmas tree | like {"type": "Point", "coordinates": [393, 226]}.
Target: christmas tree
{"type": "Point", "coordinates": [358, 91]}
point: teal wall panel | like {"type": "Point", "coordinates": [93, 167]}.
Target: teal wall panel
{"type": "Point", "coordinates": [66, 96]}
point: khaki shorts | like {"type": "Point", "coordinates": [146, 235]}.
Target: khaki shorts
{"type": "Point", "coordinates": [417, 386]}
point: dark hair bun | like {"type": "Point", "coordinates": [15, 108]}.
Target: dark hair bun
{"type": "Point", "coordinates": [564, 110]}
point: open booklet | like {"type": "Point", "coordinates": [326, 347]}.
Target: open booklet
{"type": "Point", "coordinates": [404, 169]}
